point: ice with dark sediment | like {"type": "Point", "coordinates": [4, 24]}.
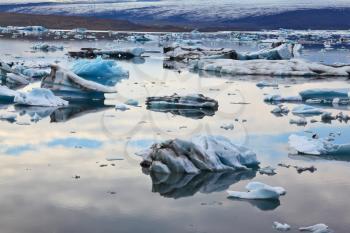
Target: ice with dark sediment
{"type": "Point", "coordinates": [201, 153]}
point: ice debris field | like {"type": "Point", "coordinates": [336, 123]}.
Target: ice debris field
{"type": "Point", "coordinates": [242, 125]}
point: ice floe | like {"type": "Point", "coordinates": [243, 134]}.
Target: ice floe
{"type": "Point", "coordinates": [115, 54]}
{"type": "Point", "coordinates": [201, 153]}
{"type": "Point", "coordinates": [293, 67]}
{"type": "Point", "coordinates": [325, 94]}
{"type": "Point", "coordinates": [318, 228]}
{"type": "Point", "coordinates": [47, 47]}
{"type": "Point", "coordinates": [267, 170]}
{"type": "Point", "coordinates": [258, 190]}
{"type": "Point", "coordinates": [39, 97]}
{"type": "Point", "coordinates": [281, 226]}
{"type": "Point", "coordinates": [316, 146]}
{"type": "Point", "coordinates": [300, 121]}
{"type": "Point", "coordinates": [307, 110]}
{"type": "Point", "coordinates": [176, 101]}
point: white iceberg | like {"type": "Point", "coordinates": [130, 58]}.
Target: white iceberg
{"type": "Point", "coordinates": [267, 171]}
{"type": "Point", "coordinates": [40, 97]}
{"type": "Point", "coordinates": [280, 109]}
{"type": "Point", "coordinates": [307, 110]}
{"type": "Point", "coordinates": [317, 146]}
{"type": "Point", "coordinates": [201, 153]}
{"type": "Point", "coordinates": [10, 117]}
{"type": "Point", "coordinates": [258, 190]}
{"type": "Point", "coordinates": [281, 226]}
{"type": "Point", "coordinates": [293, 67]}
{"type": "Point", "coordinates": [318, 228]}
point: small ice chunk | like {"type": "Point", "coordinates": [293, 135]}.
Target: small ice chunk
{"type": "Point", "coordinates": [267, 171]}
{"type": "Point", "coordinates": [299, 121]}
{"type": "Point", "coordinates": [227, 126]}
{"type": "Point", "coordinates": [266, 84]}
{"type": "Point", "coordinates": [318, 228]}
{"type": "Point", "coordinates": [258, 190]}
{"type": "Point", "coordinates": [280, 109]}
{"type": "Point", "coordinates": [306, 110]}
{"type": "Point", "coordinates": [121, 107]}
{"type": "Point", "coordinates": [281, 226]}
{"type": "Point", "coordinates": [40, 97]}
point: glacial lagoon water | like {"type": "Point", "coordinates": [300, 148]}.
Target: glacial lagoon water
{"type": "Point", "coordinates": [76, 170]}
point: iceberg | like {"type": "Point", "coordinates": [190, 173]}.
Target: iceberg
{"type": "Point", "coordinates": [318, 228]}
{"type": "Point", "coordinates": [106, 72]}
{"type": "Point", "coordinates": [122, 107]}
{"type": "Point", "coordinates": [307, 110]}
{"type": "Point", "coordinates": [280, 109]}
{"type": "Point", "coordinates": [281, 226]}
{"type": "Point", "coordinates": [39, 97]}
{"type": "Point", "coordinates": [258, 190]}
{"type": "Point", "coordinates": [317, 146]}
{"type": "Point", "coordinates": [180, 53]}
{"type": "Point", "coordinates": [176, 101]}
{"type": "Point", "coordinates": [281, 52]}
{"type": "Point", "coordinates": [325, 94]}
{"type": "Point", "coordinates": [201, 153]}
{"type": "Point", "coordinates": [68, 85]}
{"type": "Point", "coordinates": [285, 68]}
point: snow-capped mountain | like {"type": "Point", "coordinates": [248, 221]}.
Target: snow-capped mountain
{"type": "Point", "coordinates": [177, 12]}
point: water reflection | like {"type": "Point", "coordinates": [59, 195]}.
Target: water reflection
{"type": "Point", "coordinates": [343, 156]}
{"type": "Point", "coordinates": [186, 185]}
{"type": "Point", "coordinates": [62, 114]}
{"type": "Point", "coordinates": [264, 205]}
{"type": "Point", "coordinates": [194, 113]}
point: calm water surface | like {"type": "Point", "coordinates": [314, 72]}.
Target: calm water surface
{"type": "Point", "coordinates": [39, 161]}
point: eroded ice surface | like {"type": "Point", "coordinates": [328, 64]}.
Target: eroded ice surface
{"type": "Point", "coordinates": [258, 190]}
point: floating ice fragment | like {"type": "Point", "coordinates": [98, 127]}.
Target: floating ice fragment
{"type": "Point", "coordinates": [201, 153]}
{"type": "Point", "coordinates": [7, 94]}
{"type": "Point", "coordinates": [8, 117]}
{"type": "Point", "coordinates": [280, 109]}
{"type": "Point", "coordinates": [281, 226]}
{"type": "Point", "coordinates": [325, 94]}
{"type": "Point", "coordinates": [47, 47]}
{"type": "Point", "coordinates": [121, 107]}
{"type": "Point", "coordinates": [258, 190]}
{"type": "Point", "coordinates": [299, 121]}
{"type": "Point", "coordinates": [266, 84]}
{"type": "Point", "coordinates": [227, 126]}
{"type": "Point", "coordinates": [39, 97]}
{"type": "Point", "coordinates": [267, 171]}
{"type": "Point", "coordinates": [293, 67]}
{"type": "Point", "coordinates": [70, 86]}
{"type": "Point", "coordinates": [318, 228]}
{"type": "Point", "coordinates": [317, 146]}
{"type": "Point", "coordinates": [306, 110]}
